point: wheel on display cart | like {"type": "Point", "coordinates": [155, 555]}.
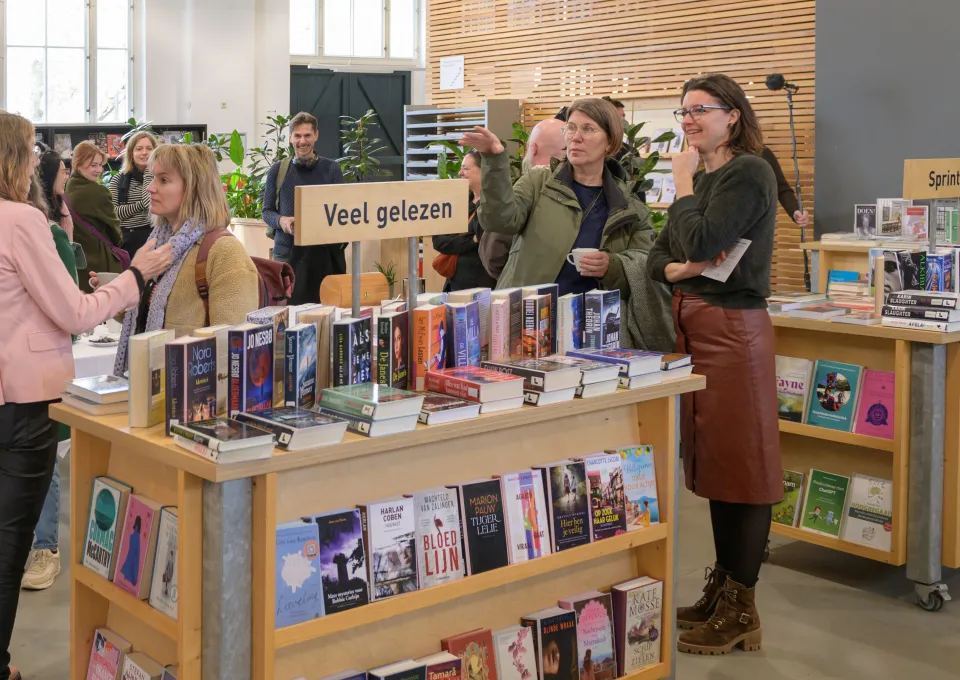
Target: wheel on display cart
{"type": "Point", "coordinates": [932, 603]}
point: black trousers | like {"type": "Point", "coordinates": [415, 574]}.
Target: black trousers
{"type": "Point", "coordinates": [28, 451]}
{"type": "Point", "coordinates": [740, 533]}
{"type": "Point", "coordinates": [133, 239]}
{"type": "Point", "coordinates": [310, 265]}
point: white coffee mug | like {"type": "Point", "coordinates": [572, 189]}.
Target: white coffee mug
{"type": "Point", "coordinates": [573, 257]}
{"type": "Point", "coordinates": [106, 277]}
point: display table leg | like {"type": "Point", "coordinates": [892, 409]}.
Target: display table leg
{"type": "Point", "coordinates": [227, 575]}
{"type": "Point", "coordinates": [928, 370]}
{"type": "Point", "coordinates": [675, 519]}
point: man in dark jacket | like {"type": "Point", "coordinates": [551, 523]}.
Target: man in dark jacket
{"type": "Point", "coordinates": [310, 263]}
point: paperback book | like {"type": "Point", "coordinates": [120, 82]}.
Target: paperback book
{"type": "Point", "coordinates": [595, 645]}
{"type": "Point", "coordinates": [389, 533]}
{"type": "Point", "coordinates": [793, 386]}
{"type": "Point", "coordinates": [787, 511]}
{"type": "Point", "coordinates": [106, 655]}
{"type": "Point", "coordinates": [824, 502]}
{"type": "Point", "coordinates": [300, 380]}
{"type": "Point", "coordinates": [865, 220]}
{"type": "Point", "coordinates": [251, 367]}
{"type": "Point", "coordinates": [638, 623]}
{"type": "Point", "coordinates": [590, 371]}
{"type": "Point", "coordinates": [555, 638]}
{"type": "Point", "coordinates": [442, 666]}
{"type": "Point", "coordinates": [485, 537]}
{"type": "Point", "coordinates": [222, 335]}
{"type": "Point", "coordinates": [402, 670]}
{"type": "Point", "coordinates": [868, 516]}
{"type": "Point", "coordinates": [352, 352]}
{"type": "Point", "coordinates": [475, 384]}
{"type": "Point", "coordinates": [224, 440]}
{"type": "Point", "coordinates": [499, 330]}
{"type": "Point", "coordinates": [148, 377]}
{"type": "Point", "coordinates": [343, 561]}
{"type": "Point", "coordinates": [565, 489]}
{"type": "Point", "coordinates": [279, 317]}
{"type": "Point", "coordinates": [553, 290]}
{"type": "Point", "coordinates": [514, 298]}
{"type": "Point", "coordinates": [439, 540]}
{"type": "Point", "coordinates": [392, 349]}
{"type": "Point", "coordinates": [299, 585]}
{"type": "Point", "coordinates": [460, 351]}
{"type": "Point", "coordinates": [833, 396]}
{"type": "Point", "coordinates": [515, 653]}
{"type": "Point", "coordinates": [322, 318]}
{"type": "Point", "coordinates": [539, 375]}
{"type": "Point", "coordinates": [139, 666]}
{"type": "Point", "coordinates": [601, 319]}
{"type": "Point", "coordinates": [482, 297]}
{"type": "Point", "coordinates": [876, 410]}
{"type": "Point", "coordinates": [536, 326]}
{"type": "Point", "coordinates": [605, 481]}
{"type": "Point", "coordinates": [430, 344]}
{"type": "Point", "coordinates": [100, 389]}
{"type": "Point", "coordinates": [569, 322]}
{"type": "Point", "coordinates": [525, 513]}
{"type": "Point", "coordinates": [108, 508]}
{"type": "Point", "coordinates": [191, 380]}
{"type": "Point", "coordinates": [476, 653]}
{"type": "Point", "coordinates": [632, 362]}
{"type": "Point", "coordinates": [138, 545]}
{"type": "Point", "coordinates": [439, 408]}
{"type": "Point", "coordinates": [639, 486]}
{"type": "Point", "coordinates": [297, 428]}
{"type": "Point", "coordinates": [367, 400]}
{"type": "Point", "coordinates": [163, 589]}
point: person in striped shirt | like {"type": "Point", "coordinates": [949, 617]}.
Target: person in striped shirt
{"type": "Point", "coordinates": [129, 191]}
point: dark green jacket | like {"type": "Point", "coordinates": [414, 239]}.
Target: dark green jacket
{"type": "Point", "coordinates": [92, 202]}
{"type": "Point", "coordinates": [64, 250]}
{"type": "Point", "coordinates": [544, 213]}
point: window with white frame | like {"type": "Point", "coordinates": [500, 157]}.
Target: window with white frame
{"type": "Point", "coordinates": [68, 61]}
{"type": "Point", "coordinates": [367, 29]}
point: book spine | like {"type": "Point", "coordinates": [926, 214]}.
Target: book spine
{"type": "Point", "coordinates": [195, 437]}
{"type": "Point", "coordinates": [533, 380]}
{"type": "Point", "coordinates": [341, 355]}
{"type": "Point", "coordinates": [916, 313]}
{"type": "Point", "coordinates": [475, 348]}
{"type": "Point", "coordinates": [347, 405]}
{"type": "Point", "coordinates": [905, 299]}
{"type": "Point", "coordinates": [175, 385]}
{"type": "Point", "coordinates": [452, 387]}
{"type": "Point", "coordinates": [355, 424]}
{"type": "Point", "coordinates": [292, 361]}
{"type": "Point", "coordinates": [459, 352]}
{"type": "Point", "coordinates": [497, 340]}
{"type": "Point", "coordinates": [516, 323]}
{"type": "Point", "coordinates": [237, 341]}
{"type": "Point", "coordinates": [384, 339]}
{"type": "Point", "coordinates": [918, 324]}
{"type": "Point", "coordinates": [593, 321]}
{"type": "Point", "coordinates": [529, 327]}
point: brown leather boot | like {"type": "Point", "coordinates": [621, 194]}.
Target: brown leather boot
{"type": "Point", "coordinates": [689, 618]}
{"type": "Point", "coordinates": [735, 623]}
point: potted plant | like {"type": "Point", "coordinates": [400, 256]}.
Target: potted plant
{"type": "Point", "coordinates": [637, 166]}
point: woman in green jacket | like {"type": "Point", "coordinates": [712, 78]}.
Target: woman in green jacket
{"type": "Point", "coordinates": [582, 202]}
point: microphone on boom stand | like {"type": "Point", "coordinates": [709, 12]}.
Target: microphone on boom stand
{"type": "Point", "coordinates": [776, 81]}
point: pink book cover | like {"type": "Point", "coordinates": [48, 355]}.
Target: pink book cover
{"type": "Point", "coordinates": [105, 659]}
{"type": "Point", "coordinates": [875, 412]}
{"type": "Point", "coordinates": [134, 545]}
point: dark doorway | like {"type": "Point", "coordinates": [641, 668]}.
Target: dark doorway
{"type": "Point", "coordinates": [328, 95]}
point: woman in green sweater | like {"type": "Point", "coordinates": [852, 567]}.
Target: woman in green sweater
{"type": "Point", "coordinates": [730, 431]}
{"type": "Point", "coordinates": [91, 207]}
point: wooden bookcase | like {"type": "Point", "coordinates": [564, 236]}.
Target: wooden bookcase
{"type": "Point", "coordinates": [291, 485]}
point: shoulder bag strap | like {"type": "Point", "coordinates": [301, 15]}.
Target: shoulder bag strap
{"type": "Point", "coordinates": [200, 269]}
{"type": "Point", "coordinates": [93, 231]}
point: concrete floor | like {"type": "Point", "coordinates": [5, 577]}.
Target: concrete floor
{"type": "Point", "coordinates": [826, 616]}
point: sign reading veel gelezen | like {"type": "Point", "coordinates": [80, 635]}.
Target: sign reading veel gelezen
{"type": "Point", "coordinates": [338, 213]}
{"type": "Point", "coordinates": [931, 178]}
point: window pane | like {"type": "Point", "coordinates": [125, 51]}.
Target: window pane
{"type": "Point", "coordinates": [65, 85]}
{"type": "Point", "coordinates": [303, 26]}
{"type": "Point", "coordinates": [336, 28]}
{"type": "Point", "coordinates": [112, 102]}
{"type": "Point", "coordinates": [25, 77]}
{"type": "Point", "coordinates": [25, 22]}
{"type": "Point", "coordinates": [368, 28]}
{"type": "Point", "coordinates": [403, 29]}
{"type": "Point", "coordinates": [67, 23]}
{"type": "Point", "coordinates": [113, 28]}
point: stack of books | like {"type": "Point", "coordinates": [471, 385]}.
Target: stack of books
{"type": "Point", "coordinates": [637, 367]}
{"type": "Point", "coordinates": [544, 382]}
{"type": "Point", "coordinates": [596, 377]}
{"type": "Point", "coordinates": [298, 428]}
{"type": "Point", "coordinates": [224, 440]}
{"type": "Point", "coordinates": [923, 310]}
{"type": "Point", "coordinates": [100, 395]}
{"type": "Point", "coordinates": [782, 303]}
{"type": "Point", "coordinates": [372, 410]}
{"type": "Point", "coordinates": [494, 391]}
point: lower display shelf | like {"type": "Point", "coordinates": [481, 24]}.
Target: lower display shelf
{"type": "Point", "coordinates": [851, 438]}
{"type": "Point", "coordinates": [402, 604]}
{"type": "Point", "coordinates": [141, 609]}
{"type": "Point", "coordinates": [660, 670]}
{"type": "Point", "coordinates": [836, 544]}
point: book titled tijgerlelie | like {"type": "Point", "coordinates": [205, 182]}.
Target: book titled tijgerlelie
{"type": "Point", "coordinates": [251, 367]}
{"type": "Point", "coordinates": [376, 402]}
{"type": "Point", "coordinates": [106, 655]}
{"type": "Point", "coordinates": [868, 516]}
{"type": "Point", "coordinates": [631, 361]}
{"type": "Point", "coordinates": [279, 319]}
{"type": "Point", "coordinates": [539, 375]}
{"type": "Point", "coordinates": [824, 501]}
{"type": "Point", "coordinates": [297, 428]}
{"type": "Point", "coordinates": [108, 508]}
{"type": "Point", "coordinates": [525, 512]}
{"type": "Point", "coordinates": [565, 487]}
{"type": "Point", "coordinates": [476, 653]}
{"type": "Point", "coordinates": [605, 481]}
{"type": "Point", "coordinates": [389, 534]}
{"type": "Point", "coordinates": [475, 384]}
{"type": "Point", "coordinates": [595, 644]}
{"type": "Point", "coordinates": [299, 585]}
{"type": "Point", "coordinates": [138, 543]}
{"type": "Point", "coordinates": [439, 408]}
{"type": "Point", "coordinates": [638, 623]}
{"type": "Point", "coordinates": [163, 589]}
{"type": "Point", "coordinates": [342, 560]}
{"type": "Point", "coordinates": [191, 380]}
{"type": "Point", "coordinates": [555, 636]}
{"type": "Point", "coordinates": [787, 511]}
{"type": "Point", "coordinates": [485, 536]}
{"type": "Point", "coordinates": [224, 440]}
{"type": "Point", "coordinates": [439, 541]}
{"type": "Point", "coordinates": [148, 378]}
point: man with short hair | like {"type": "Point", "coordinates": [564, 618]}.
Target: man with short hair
{"type": "Point", "coordinates": [618, 105]}
{"type": "Point", "coordinates": [310, 263]}
{"type": "Point", "coordinates": [546, 142]}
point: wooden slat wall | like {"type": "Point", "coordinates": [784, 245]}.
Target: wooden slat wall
{"type": "Point", "coordinates": [548, 52]}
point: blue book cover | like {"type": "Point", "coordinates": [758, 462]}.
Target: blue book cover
{"type": "Point", "coordinates": [611, 319]}
{"type": "Point", "coordinates": [191, 380]}
{"type": "Point", "coordinates": [940, 273]}
{"type": "Point", "coordinates": [299, 595]}
{"type": "Point", "coordinates": [593, 320]}
{"type": "Point", "coordinates": [258, 369]}
{"type": "Point", "coordinates": [576, 310]}
{"type": "Point", "coordinates": [834, 397]}
{"type": "Point", "coordinates": [640, 486]}
{"type": "Point", "coordinates": [458, 353]}
{"type": "Point", "coordinates": [362, 351]}
{"type": "Point", "coordinates": [474, 340]}
{"type": "Point", "coordinates": [301, 365]}
{"type": "Point", "coordinates": [343, 565]}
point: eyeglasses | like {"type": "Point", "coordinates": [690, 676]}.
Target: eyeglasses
{"type": "Point", "coordinates": [570, 130]}
{"type": "Point", "coordinates": [696, 112]}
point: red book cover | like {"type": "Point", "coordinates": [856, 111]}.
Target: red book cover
{"type": "Point", "coordinates": [475, 649]}
{"type": "Point", "coordinates": [473, 383]}
{"type": "Point", "coordinates": [429, 343]}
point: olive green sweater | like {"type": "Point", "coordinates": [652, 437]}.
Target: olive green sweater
{"type": "Point", "coordinates": [739, 200]}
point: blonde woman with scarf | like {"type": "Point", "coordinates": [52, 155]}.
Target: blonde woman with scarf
{"type": "Point", "coordinates": [187, 201]}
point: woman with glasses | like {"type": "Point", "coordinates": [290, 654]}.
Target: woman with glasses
{"type": "Point", "coordinates": [730, 432]}
{"type": "Point", "coordinates": [95, 224]}
{"type": "Point", "coordinates": [582, 202]}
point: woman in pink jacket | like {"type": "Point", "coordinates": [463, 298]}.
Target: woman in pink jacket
{"type": "Point", "coordinates": [40, 306]}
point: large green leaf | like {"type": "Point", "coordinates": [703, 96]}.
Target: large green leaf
{"type": "Point", "coordinates": [236, 148]}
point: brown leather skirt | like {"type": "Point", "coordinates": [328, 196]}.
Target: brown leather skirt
{"type": "Point", "coordinates": [729, 432]}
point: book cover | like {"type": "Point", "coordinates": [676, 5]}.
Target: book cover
{"type": "Point", "coordinates": [439, 403]}
{"type": "Point", "coordinates": [279, 317]}
{"type": "Point", "coordinates": [595, 647]}
{"type": "Point", "coordinates": [475, 349]}
{"type": "Point", "coordinates": [524, 510]}
{"type": "Point", "coordinates": [106, 655]}
{"type": "Point", "coordinates": [824, 501]}
{"type": "Point", "coordinates": [430, 343]}
{"type": "Point", "coordinates": [539, 375]}
{"type": "Point", "coordinates": [102, 389]}
{"type": "Point", "coordinates": [605, 481]}
{"type": "Point", "coordinates": [392, 341]}
{"type": "Point", "coordinates": [555, 636]}
{"type": "Point", "coordinates": [485, 536]}
{"type": "Point", "coordinates": [63, 144]}
{"type": "Point", "coordinates": [638, 622]}
{"type": "Point", "coordinates": [148, 377]}
{"type": "Point", "coordinates": [299, 586]}
{"type": "Point", "coordinates": [565, 486]}
{"type": "Point", "coordinates": [439, 541]}
{"type": "Point", "coordinates": [138, 543]}
{"type": "Point", "coordinates": [890, 216]}
{"type": "Point", "coordinates": [360, 368]}
{"type": "Point", "coordinates": [553, 290]}
{"type": "Point", "coordinates": [114, 146]}
{"type": "Point", "coordinates": [793, 385]}
{"type": "Point", "coordinates": [191, 380]}
{"type": "Point", "coordinates": [467, 382]}
{"type": "Point", "coordinates": [139, 666]}
{"type": "Point", "coordinates": [787, 511]}
{"type": "Point", "coordinates": [865, 220]}
{"type": "Point", "coordinates": [300, 356]}
{"type": "Point", "coordinates": [402, 670]}
{"type": "Point", "coordinates": [482, 296]}
{"type": "Point", "coordinates": [251, 368]}
{"type": "Point", "coordinates": [475, 650]}
{"type": "Point", "coordinates": [592, 320]}
{"type": "Point", "coordinates": [834, 395]}
{"type": "Point", "coordinates": [458, 343]}
{"type": "Point", "coordinates": [876, 410]}
{"type": "Point", "coordinates": [610, 314]}
{"type": "Point", "coordinates": [640, 486]}
{"type": "Point", "coordinates": [536, 326]}
{"type": "Point", "coordinates": [342, 560]}
{"type": "Point", "coordinates": [442, 666]}
{"type": "Point", "coordinates": [222, 335]}
{"type": "Point", "coordinates": [515, 653]}
{"type": "Point", "coordinates": [389, 531]}
{"type": "Point", "coordinates": [570, 322]}
{"type": "Point", "coordinates": [370, 400]}
{"type": "Point", "coordinates": [868, 517]}
{"type": "Point", "coordinates": [108, 508]}
{"type": "Point", "coordinates": [514, 298]}
{"type": "Point", "coordinates": [921, 299]}
{"type": "Point", "coordinates": [99, 139]}
{"type": "Point", "coordinates": [499, 329]}
{"type": "Point", "coordinates": [322, 318]}
{"type": "Point", "coordinates": [163, 589]}
{"type": "Point", "coordinates": [915, 222]}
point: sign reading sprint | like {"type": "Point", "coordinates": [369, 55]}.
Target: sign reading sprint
{"type": "Point", "coordinates": [337, 213]}
{"type": "Point", "coordinates": [931, 178]}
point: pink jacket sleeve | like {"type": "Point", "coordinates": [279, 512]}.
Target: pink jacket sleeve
{"type": "Point", "coordinates": [52, 288]}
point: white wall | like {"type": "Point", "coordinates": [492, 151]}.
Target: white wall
{"type": "Point", "coordinates": [223, 63]}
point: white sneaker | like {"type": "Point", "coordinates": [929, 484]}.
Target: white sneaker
{"type": "Point", "coordinates": [43, 571]}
